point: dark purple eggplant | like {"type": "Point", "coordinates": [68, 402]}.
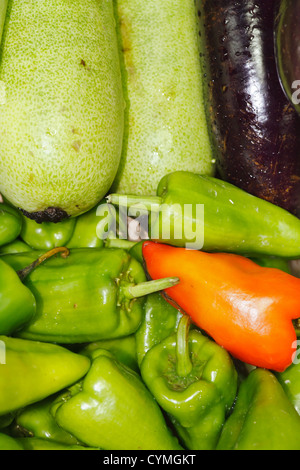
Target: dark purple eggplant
{"type": "Point", "coordinates": [255, 131]}
{"type": "Point", "coordinates": [287, 49]}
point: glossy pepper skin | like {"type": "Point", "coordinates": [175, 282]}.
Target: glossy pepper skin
{"type": "Point", "coordinates": [17, 302]}
{"type": "Point", "coordinates": [194, 380]}
{"type": "Point", "coordinates": [244, 307]}
{"type": "Point", "coordinates": [233, 220]}
{"type": "Point", "coordinates": [10, 223]}
{"type": "Point", "coordinates": [36, 421]}
{"type": "Point", "coordinates": [92, 227]}
{"type": "Point", "coordinates": [6, 420]}
{"type": "Point", "coordinates": [124, 350]}
{"type": "Point", "coordinates": [290, 382]}
{"type": "Point", "coordinates": [3, 9]}
{"type": "Point", "coordinates": [17, 246]}
{"type": "Point", "coordinates": [84, 231]}
{"type": "Point", "coordinates": [160, 320]}
{"type": "Point", "coordinates": [36, 443]}
{"type": "Point", "coordinates": [9, 443]}
{"type": "Point", "coordinates": [263, 417]}
{"type": "Point", "coordinates": [46, 235]}
{"type": "Point", "coordinates": [33, 371]}
{"type": "Point", "coordinates": [112, 409]}
{"type": "Point", "coordinates": [84, 297]}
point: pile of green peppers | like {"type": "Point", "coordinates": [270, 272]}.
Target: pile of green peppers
{"type": "Point", "coordinates": [114, 365]}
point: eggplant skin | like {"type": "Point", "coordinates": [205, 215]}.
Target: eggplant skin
{"type": "Point", "coordinates": [255, 130]}
{"type": "Point", "coordinates": [287, 49]}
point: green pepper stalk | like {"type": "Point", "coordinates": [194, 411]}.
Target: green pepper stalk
{"type": "Point", "coordinates": [23, 273]}
{"type": "Point", "coordinates": [263, 417]}
{"type": "Point", "coordinates": [91, 295]}
{"type": "Point", "coordinates": [16, 246]}
{"type": "Point", "coordinates": [111, 408]}
{"type": "Point", "coordinates": [17, 303]}
{"type": "Point", "coordinates": [195, 383]}
{"type": "Point", "coordinates": [233, 220]}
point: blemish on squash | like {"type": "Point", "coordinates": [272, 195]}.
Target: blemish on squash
{"type": "Point", "coordinates": [76, 145]}
{"type": "Point", "coordinates": [84, 64]}
{"type": "Point", "coordinates": [76, 131]}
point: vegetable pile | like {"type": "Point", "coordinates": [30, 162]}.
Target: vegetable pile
{"type": "Point", "coordinates": [149, 225]}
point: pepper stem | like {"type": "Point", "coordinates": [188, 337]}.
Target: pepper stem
{"type": "Point", "coordinates": [23, 273]}
{"type": "Point", "coordinates": [131, 291]}
{"type": "Point", "coordinates": [147, 203]}
{"type": "Point", "coordinates": [119, 243]}
{"type": "Point", "coordinates": [183, 363]}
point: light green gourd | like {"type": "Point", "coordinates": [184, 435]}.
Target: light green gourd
{"type": "Point", "coordinates": [62, 106]}
{"type": "Point", "coordinates": [165, 121]}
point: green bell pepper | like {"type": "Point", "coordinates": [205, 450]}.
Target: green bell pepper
{"type": "Point", "coordinates": [202, 212]}
{"type": "Point", "coordinates": [112, 409]}
{"type": "Point", "coordinates": [194, 381]}
{"type": "Point", "coordinates": [6, 420]}
{"type": "Point", "coordinates": [92, 228]}
{"type": "Point", "coordinates": [119, 243]}
{"type": "Point", "coordinates": [17, 303]}
{"type": "Point", "coordinates": [46, 235]}
{"type": "Point", "coordinates": [274, 262]}
{"type": "Point", "coordinates": [32, 371]}
{"type": "Point", "coordinates": [124, 350]}
{"type": "Point", "coordinates": [85, 231]}
{"type": "Point", "coordinates": [36, 421]}
{"type": "Point", "coordinates": [263, 417]}
{"type": "Point", "coordinates": [160, 319]}
{"type": "Point", "coordinates": [9, 443]}
{"type": "Point", "coordinates": [10, 223]}
{"type": "Point", "coordinates": [290, 382]}
{"type": "Point", "coordinates": [90, 295]}
{"type": "Point", "coordinates": [17, 246]}
{"type": "Point", "coordinates": [3, 9]}
{"type": "Point", "coordinates": [136, 251]}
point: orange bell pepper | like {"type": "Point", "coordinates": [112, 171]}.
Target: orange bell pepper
{"type": "Point", "coordinates": [246, 308]}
